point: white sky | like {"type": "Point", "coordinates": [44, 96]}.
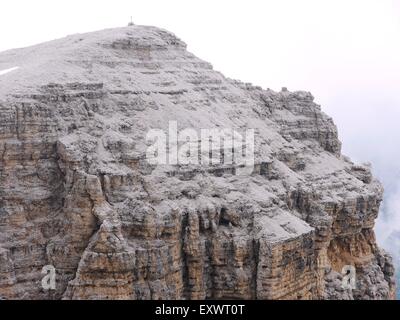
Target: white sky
{"type": "Point", "coordinates": [346, 52]}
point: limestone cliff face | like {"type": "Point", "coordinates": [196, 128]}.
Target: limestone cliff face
{"type": "Point", "coordinates": [76, 191]}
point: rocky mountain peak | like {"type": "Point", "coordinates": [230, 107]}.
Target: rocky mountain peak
{"type": "Point", "coordinates": [79, 191]}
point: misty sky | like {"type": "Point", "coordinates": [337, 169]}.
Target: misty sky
{"type": "Point", "coordinates": [347, 53]}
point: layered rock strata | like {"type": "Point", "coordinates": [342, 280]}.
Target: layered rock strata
{"type": "Point", "coordinates": [77, 191]}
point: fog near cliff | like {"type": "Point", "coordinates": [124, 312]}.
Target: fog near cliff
{"type": "Point", "coordinates": [368, 126]}
{"type": "Point", "coordinates": [347, 53]}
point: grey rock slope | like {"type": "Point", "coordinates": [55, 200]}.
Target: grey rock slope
{"type": "Point", "coordinates": [77, 193]}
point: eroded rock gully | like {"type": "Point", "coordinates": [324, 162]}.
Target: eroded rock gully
{"type": "Point", "coordinates": [76, 191]}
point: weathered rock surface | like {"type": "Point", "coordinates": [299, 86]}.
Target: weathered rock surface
{"type": "Point", "coordinates": [76, 191]}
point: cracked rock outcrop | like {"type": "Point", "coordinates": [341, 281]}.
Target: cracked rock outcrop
{"type": "Point", "coordinates": [77, 192]}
